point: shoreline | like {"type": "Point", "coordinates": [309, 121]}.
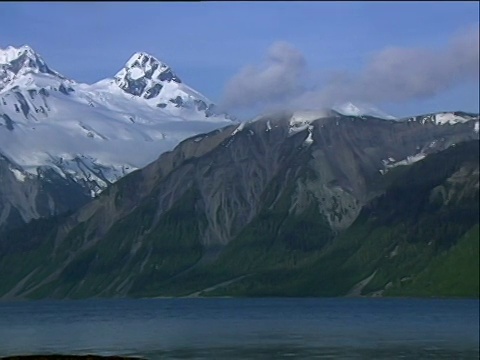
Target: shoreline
{"type": "Point", "coordinates": [69, 357]}
{"type": "Point", "coordinates": [195, 296]}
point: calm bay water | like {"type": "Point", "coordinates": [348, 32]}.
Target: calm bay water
{"type": "Point", "coordinates": [196, 328]}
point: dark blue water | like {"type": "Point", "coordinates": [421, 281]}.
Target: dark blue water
{"type": "Point", "coordinates": [197, 328]}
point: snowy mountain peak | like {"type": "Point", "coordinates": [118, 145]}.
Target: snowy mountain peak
{"type": "Point", "coordinates": [146, 62]}
{"type": "Point", "coordinates": [351, 109]}
{"type": "Point", "coordinates": [11, 53]}
{"type": "Point", "coordinates": [16, 62]}
{"type": "Point", "coordinates": [144, 75]}
{"type": "Point", "coordinates": [152, 81]}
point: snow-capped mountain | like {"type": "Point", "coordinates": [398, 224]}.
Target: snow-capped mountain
{"type": "Point", "coordinates": [15, 63]}
{"type": "Point", "coordinates": [95, 133]}
{"type": "Point", "coordinates": [62, 141]}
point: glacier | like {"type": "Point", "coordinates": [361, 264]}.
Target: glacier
{"type": "Point", "coordinates": [95, 133]}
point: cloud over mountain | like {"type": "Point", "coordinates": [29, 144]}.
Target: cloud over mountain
{"type": "Point", "coordinates": [394, 74]}
{"type": "Point", "coordinates": [279, 77]}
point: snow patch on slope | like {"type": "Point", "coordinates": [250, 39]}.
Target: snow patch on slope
{"type": "Point", "coordinates": [309, 139]}
{"type": "Point", "coordinates": [409, 160]}
{"type": "Point", "coordinates": [239, 128]}
{"type": "Point", "coordinates": [19, 175]}
{"type": "Point", "coordinates": [301, 120]}
{"type": "Point", "coordinates": [450, 118]}
{"type": "Point", "coordinates": [136, 73]}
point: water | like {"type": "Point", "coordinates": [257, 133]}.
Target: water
{"type": "Point", "coordinates": [197, 328]}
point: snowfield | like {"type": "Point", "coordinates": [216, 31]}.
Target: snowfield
{"type": "Point", "coordinates": [100, 132]}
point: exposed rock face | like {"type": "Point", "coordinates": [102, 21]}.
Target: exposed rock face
{"type": "Point", "coordinates": [24, 197]}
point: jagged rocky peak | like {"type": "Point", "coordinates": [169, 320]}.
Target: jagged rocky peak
{"type": "Point", "coordinates": [20, 61]}
{"type": "Point", "coordinates": [146, 77]}
{"type": "Point", "coordinates": [143, 74]}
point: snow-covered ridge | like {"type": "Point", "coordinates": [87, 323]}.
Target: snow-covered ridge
{"type": "Point", "coordinates": [443, 118]}
{"type": "Point", "coordinates": [439, 118]}
{"type": "Point", "coordinates": [95, 133]}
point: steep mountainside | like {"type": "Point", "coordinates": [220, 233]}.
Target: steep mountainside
{"type": "Point", "coordinates": [259, 203]}
{"type": "Point", "coordinates": [90, 134]}
{"type": "Point", "coordinates": [419, 238]}
{"type": "Point", "coordinates": [21, 195]}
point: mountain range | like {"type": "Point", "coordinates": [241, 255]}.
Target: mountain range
{"type": "Point", "coordinates": [139, 186]}
{"type": "Point", "coordinates": [302, 203]}
{"type": "Point", "coordinates": [58, 134]}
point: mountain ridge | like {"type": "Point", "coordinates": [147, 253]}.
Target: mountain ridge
{"type": "Point", "coordinates": [256, 198]}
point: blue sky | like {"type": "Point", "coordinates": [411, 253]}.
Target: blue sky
{"type": "Point", "coordinates": [210, 43]}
